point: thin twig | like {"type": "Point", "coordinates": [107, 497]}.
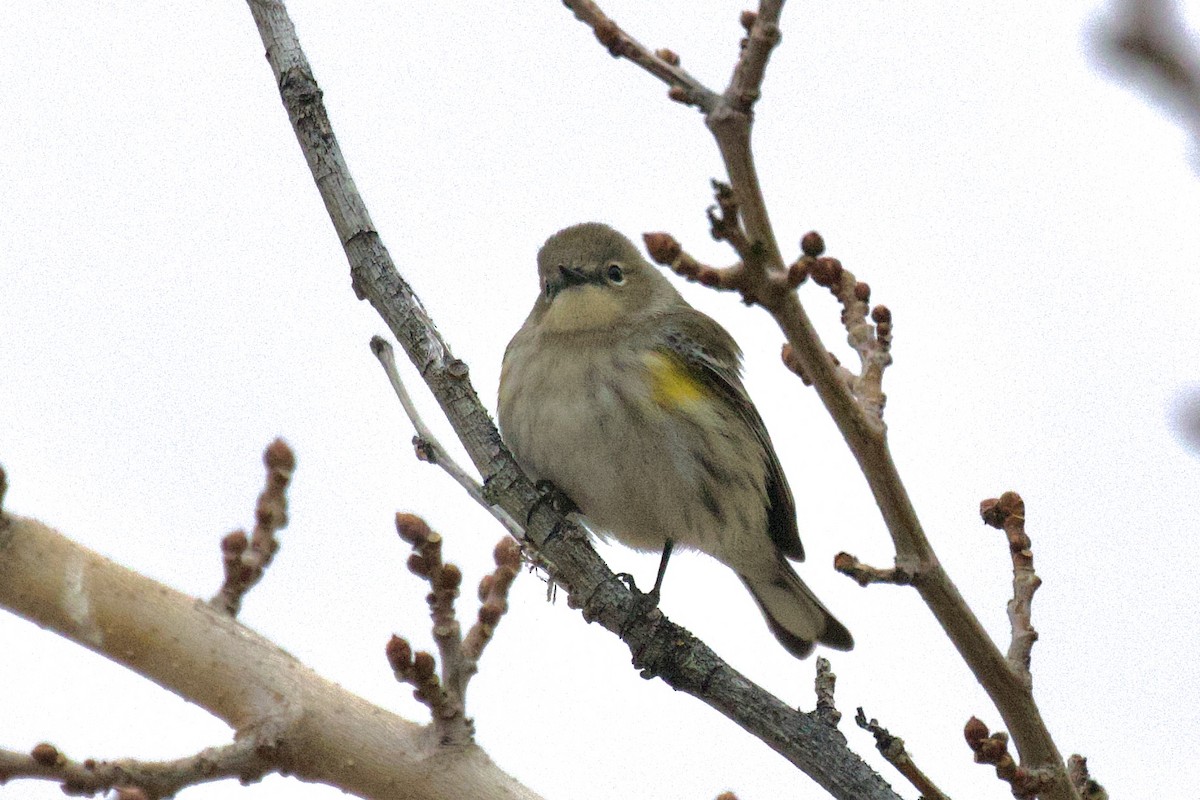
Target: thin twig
{"type": "Point", "coordinates": [493, 599]}
{"type": "Point", "coordinates": [663, 65]}
{"type": "Point", "coordinates": [246, 558]}
{"type": "Point", "coordinates": [246, 759]}
{"type": "Point", "coordinates": [446, 697]}
{"type": "Point", "coordinates": [426, 444]}
{"type": "Point", "coordinates": [824, 685]}
{"type": "Point", "coordinates": [1008, 514]}
{"type": "Point", "coordinates": [892, 748]}
{"type": "Point", "coordinates": [443, 696]}
{"type": "Point", "coordinates": [864, 574]}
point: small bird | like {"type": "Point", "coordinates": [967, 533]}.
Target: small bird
{"type": "Point", "coordinates": [630, 401]}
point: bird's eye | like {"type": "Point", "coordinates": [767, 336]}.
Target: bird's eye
{"type": "Point", "coordinates": [615, 274]}
{"type": "Point", "coordinates": [547, 289]}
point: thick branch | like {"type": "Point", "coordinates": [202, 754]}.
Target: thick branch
{"type": "Point", "coordinates": [314, 729]}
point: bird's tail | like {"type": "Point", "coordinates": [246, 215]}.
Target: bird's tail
{"type": "Point", "coordinates": [793, 612]}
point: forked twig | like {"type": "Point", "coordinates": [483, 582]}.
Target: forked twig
{"type": "Point", "coordinates": [426, 444]}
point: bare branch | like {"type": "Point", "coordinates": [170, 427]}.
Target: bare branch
{"type": "Point", "coordinates": [665, 250]}
{"type": "Point", "coordinates": [872, 342]}
{"type": "Point", "coordinates": [493, 598]}
{"type": "Point", "coordinates": [663, 64]}
{"type": "Point", "coordinates": [426, 444]}
{"type": "Point", "coordinates": [446, 702]}
{"type": "Point", "coordinates": [247, 559]}
{"type": "Point", "coordinates": [314, 729]}
{"type": "Point", "coordinates": [1008, 514]}
{"type": "Point", "coordinates": [446, 697]}
{"type": "Point", "coordinates": [825, 682]}
{"type": "Point", "coordinates": [892, 748]}
{"type": "Point", "coordinates": [730, 123]}
{"type": "Point", "coordinates": [865, 574]}
{"type": "Point", "coordinates": [1088, 789]}
{"type": "Point", "coordinates": [659, 647]}
{"type": "Point", "coordinates": [247, 759]}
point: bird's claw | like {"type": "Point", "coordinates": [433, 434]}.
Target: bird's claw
{"type": "Point", "coordinates": [643, 602]}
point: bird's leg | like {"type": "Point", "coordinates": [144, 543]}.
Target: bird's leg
{"type": "Point", "coordinates": [648, 601]}
{"type": "Point", "coordinates": [668, 546]}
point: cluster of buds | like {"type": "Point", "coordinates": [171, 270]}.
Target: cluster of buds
{"type": "Point", "coordinates": [992, 748]}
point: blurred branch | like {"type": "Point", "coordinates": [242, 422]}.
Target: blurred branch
{"type": "Point", "coordinates": [1148, 39]}
{"type": "Point", "coordinates": [659, 647]}
{"type": "Point", "coordinates": [1088, 788]}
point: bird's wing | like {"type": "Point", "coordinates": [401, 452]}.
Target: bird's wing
{"type": "Point", "coordinates": [717, 365]}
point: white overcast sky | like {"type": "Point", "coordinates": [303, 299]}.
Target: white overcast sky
{"type": "Point", "coordinates": [174, 297]}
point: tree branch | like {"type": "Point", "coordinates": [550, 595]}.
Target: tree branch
{"type": "Point", "coordinates": [730, 121]}
{"type": "Point", "coordinates": [248, 760]}
{"type": "Point", "coordinates": [658, 646]}
{"type": "Point", "coordinates": [426, 444]}
{"type": "Point", "coordinates": [307, 726]}
{"type": "Point", "coordinates": [1008, 514]}
{"type": "Point", "coordinates": [892, 748]}
{"type": "Point", "coordinates": [1146, 39]}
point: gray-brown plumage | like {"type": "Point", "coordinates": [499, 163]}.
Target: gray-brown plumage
{"type": "Point", "coordinates": [631, 402]}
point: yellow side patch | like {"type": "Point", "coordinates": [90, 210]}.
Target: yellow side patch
{"type": "Point", "coordinates": [671, 385]}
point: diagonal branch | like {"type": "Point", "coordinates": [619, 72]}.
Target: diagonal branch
{"type": "Point", "coordinates": [426, 444]}
{"type": "Point", "coordinates": [659, 647]}
{"type": "Point", "coordinates": [305, 726]}
{"type": "Point", "coordinates": [730, 122]}
{"type": "Point", "coordinates": [892, 748]}
{"type": "Point", "coordinates": [663, 65]}
{"type": "Point", "coordinates": [1148, 38]}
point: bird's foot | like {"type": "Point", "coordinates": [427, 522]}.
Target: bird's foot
{"type": "Point", "coordinates": [643, 602]}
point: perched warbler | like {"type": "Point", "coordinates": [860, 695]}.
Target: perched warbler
{"type": "Point", "coordinates": [631, 403]}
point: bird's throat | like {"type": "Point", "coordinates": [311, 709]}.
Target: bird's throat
{"type": "Point", "coordinates": [582, 308]}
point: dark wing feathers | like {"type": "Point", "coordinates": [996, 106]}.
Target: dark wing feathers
{"type": "Point", "coordinates": [717, 364]}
